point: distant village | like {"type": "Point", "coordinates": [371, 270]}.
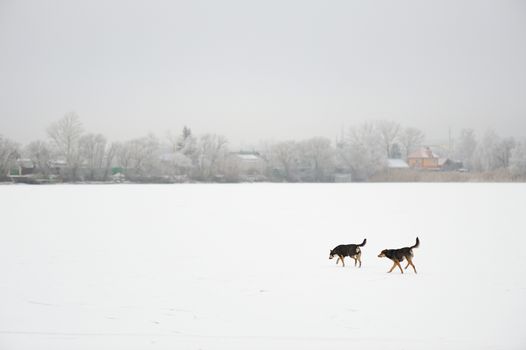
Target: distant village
{"type": "Point", "coordinates": [382, 151]}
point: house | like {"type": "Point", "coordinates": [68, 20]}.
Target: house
{"type": "Point", "coordinates": [27, 172]}
{"type": "Point", "coordinates": [447, 164]}
{"type": "Point", "coordinates": [424, 159]}
{"type": "Point", "coordinates": [251, 166]}
{"type": "Point", "coordinates": [25, 166]}
{"type": "Point", "coordinates": [397, 164]}
{"type": "Point", "coordinates": [57, 166]}
{"type": "Point", "coordinates": [250, 163]}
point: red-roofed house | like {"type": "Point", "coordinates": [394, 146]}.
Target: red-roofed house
{"type": "Point", "coordinates": [424, 158]}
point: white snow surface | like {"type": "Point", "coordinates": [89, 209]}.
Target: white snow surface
{"type": "Point", "coordinates": [246, 267]}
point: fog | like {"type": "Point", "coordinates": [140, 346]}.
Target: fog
{"type": "Point", "coordinates": [262, 70]}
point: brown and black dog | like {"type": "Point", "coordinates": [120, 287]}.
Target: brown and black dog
{"type": "Point", "coordinates": [398, 255]}
{"type": "Point", "coordinates": [351, 250]}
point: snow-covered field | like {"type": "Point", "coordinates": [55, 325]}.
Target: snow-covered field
{"type": "Point", "coordinates": [246, 267]}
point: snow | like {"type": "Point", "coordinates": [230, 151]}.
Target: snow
{"type": "Point", "coordinates": [396, 163]}
{"type": "Point", "coordinates": [246, 267]}
{"type": "Point", "coordinates": [248, 157]}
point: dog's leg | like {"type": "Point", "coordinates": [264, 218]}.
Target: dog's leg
{"type": "Point", "coordinates": [355, 261]}
{"type": "Point", "coordinates": [360, 259]}
{"type": "Point", "coordinates": [343, 262]}
{"type": "Point", "coordinates": [392, 268]}
{"type": "Point", "coordinates": [399, 266]}
{"type": "Point", "coordinates": [414, 268]}
{"type": "Point", "coordinates": [410, 262]}
{"type": "Point", "coordinates": [337, 260]}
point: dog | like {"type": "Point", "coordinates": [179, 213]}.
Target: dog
{"type": "Point", "coordinates": [350, 250]}
{"type": "Point", "coordinates": [398, 255]}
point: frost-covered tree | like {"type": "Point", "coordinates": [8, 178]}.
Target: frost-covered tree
{"type": "Point", "coordinates": [140, 156]}
{"type": "Point", "coordinates": [284, 160]}
{"type": "Point", "coordinates": [492, 152]}
{"type": "Point", "coordinates": [396, 153]}
{"type": "Point", "coordinates": [184, 143]}
{"type": "Point", "coordinates": [317, 158]}
{"type": "Point", "coordinates": [9, 152]}
{"type": "Point", "coordinates": [363, 151]}
{"type": "Point", "coordinates": [388, 131]}
{"type": "Point", "coordinates": [503, 151]}
{"type": "Point", "coordinates": [465, 147]}
{"type": "Point", "coordinates": [484, 155]}
{"type": "Point", "coordinates": [123, 155]}
{"type": "Point", "coordinates": [410, 139]}
{"type": "Point", "coordinates": [182, 164]}
{"type": "Point", "coordinates": [92, 150]}
{"type": "Point", "coordinates": [518, 159]}
{"type": "Point", "coordinates": [111, 153]}
{"type": "Point", "coordinates": [183, 152]}
{"type": "Point", "coordinates": [184, 139]}
{"type": "Point", "coordinates": [65, 135]}
{"type": "Point", "coordinates": [211, 154]}
{"type": "Point", "coordinates": [40, 154]}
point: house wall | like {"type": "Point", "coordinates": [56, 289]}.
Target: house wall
{"type": "Point", "coordinates": [249, 167]}
{"type": "Point", "coordinates": [415, 162]}
{"type": "Point", "coordinates": [430, 163]}
{"type": "Point", "coordinates": [423, 163]}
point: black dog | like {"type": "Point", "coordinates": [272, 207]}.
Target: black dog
{"type": "Point", "coordinates": [398, 255]}
{"type": "Point", "coordinates": [351, 250]}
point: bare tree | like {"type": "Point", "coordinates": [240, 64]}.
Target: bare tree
{"type": "Point", "coordinates": [283, 158]}
{"type": "Point", "coordinates": [183, 141]}
{"type": "Point", "coordinates": [410, 139]}
{"type": "Point", "coordinates": [65, 135]}
{"type": "Point", "coordinates": [485, 157]}
{"type": "Point", "coordinates": [139, 157]}
{"type": "Point", "coordinates": [388, 131]}
{"type": "Point", "coordinates": [124, 154]}
{"type": "Point", "coordinates": [518, 159]}
{"type": "Point", "coordinates": [111, 153]}
{"type": "Point", "coordinates": [363, 151]}
{"type": "Point", "coordinates": [143, 154]}
{"type": "Point", "coordinates": [9, 152]}
{"type": "Point", "coordinates": [40, 154]}
{"type": "Point", "coordinates": [211, 151]}
{"type": "Point", "coordinates": [465, 147]}
{"type": "Point", "coordinates": [317, 157]}
{"type": "Point", "coordinates": [503, 151]}
{"type": "Point", "coordinates": [182, 164]}
{"type": "Point", "coordinates": [183, 152]}
{"type": "Point", "coordinates": [92, 149]}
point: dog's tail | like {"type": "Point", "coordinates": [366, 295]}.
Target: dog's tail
{"type": "Point", "coordinates": [363, 243]}
{"type": "Point", "coordinates": [417, 244]}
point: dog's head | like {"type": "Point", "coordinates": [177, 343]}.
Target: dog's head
{"type": "Point", "coordinates": [331, 255]}
{"type": "Point", "coordinates": [382, 253]}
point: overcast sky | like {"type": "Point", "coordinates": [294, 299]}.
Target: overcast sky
{"type": "Point", "coordinates": [254, 70]}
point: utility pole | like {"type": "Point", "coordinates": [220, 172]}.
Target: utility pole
{"type": "Point", "coordinates": [450, 143]}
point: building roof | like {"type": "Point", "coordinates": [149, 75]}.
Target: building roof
{"type": "Point", "coordinates": [396, 163]}
{"type": "Point", "coordinates": [248, 157]}
{"type": "Point", "coordinates": [58, 163]}
{"type": "Point", "coordinates": [424, 152]}
{"type": "Point", "coordinates": [25, 163]}
{"type": "Point", "coordinates": [442, 161]}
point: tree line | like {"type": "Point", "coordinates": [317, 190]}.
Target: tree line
{"type": "Point", "coordinates": [72, 154]}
